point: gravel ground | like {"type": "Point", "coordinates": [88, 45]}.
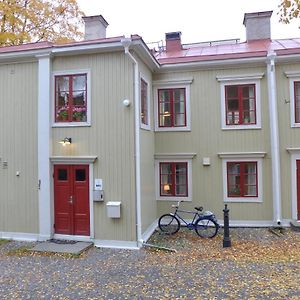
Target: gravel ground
{"type": "Point", "coordinates": [259, 265]}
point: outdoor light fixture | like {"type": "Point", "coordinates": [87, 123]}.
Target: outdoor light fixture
{"type": "Point", "coordinates": [66, 141]}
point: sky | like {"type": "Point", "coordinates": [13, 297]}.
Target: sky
{"type": "Point", "coordinates": [198, 20]}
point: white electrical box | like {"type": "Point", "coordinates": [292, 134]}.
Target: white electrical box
{"type": "Point", "coordinates": [113, 209]}
{"type": "Point", "coordinates": [98, 184]}
{"type": "Point", "coordinates": [206, 161]}
{"type": "Point", "coordinates": [98, 196]}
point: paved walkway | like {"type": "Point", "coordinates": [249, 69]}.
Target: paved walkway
{"type": "Point", "coordinates": [259, 265]}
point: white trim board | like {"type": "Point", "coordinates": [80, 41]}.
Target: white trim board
{"type": "Point", "coordinates": [19, 236]}
{"type": "Point", "coordinates": [131, 245]}
{"type": "Point", "coordinates": [149, 231]}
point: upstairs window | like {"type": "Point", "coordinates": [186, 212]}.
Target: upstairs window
{"type": "Point", "coordinates": [297, 101]}
{"type": "Point", "coordinates": [173, 179]}
{"type": "Point", "coordinates": [71, 98]}
{"type": "Point", "coordinates": [144, 105]}
{"type": "Point", "coordinates": [240, 103]}
{"type": "Point", "coordinates": [172, 107]}
{"type": "Point", "coordinates": [242, 179]}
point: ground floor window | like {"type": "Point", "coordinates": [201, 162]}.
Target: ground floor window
{"type": "Point", "coordinates": [173, 177]}
{"type": "Point", "coordinates": [242, 177]}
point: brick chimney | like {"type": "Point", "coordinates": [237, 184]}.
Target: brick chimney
{"type": "Point", "coordinates": [173, 41]}
{"type": "Point", "coordinates": [95, 27]}
{"type": "Point", "coordinates": [258, 25]}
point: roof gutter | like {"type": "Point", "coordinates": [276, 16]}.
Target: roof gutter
{"type": "Point", "coordinates": [126, 42]}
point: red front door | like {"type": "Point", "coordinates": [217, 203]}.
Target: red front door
{"type": "Point", "coordinates": [298, 188]}
{"type": "Point", "coordinates": [71, 200]}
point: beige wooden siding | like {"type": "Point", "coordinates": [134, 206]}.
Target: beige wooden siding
{"type": "Point", "coordinates": [110, 137]}
{"type": "Point", "coordinates": [18, 148]}
{"type": "Point", "coordinates": [289, 137]}
{"type": "Point", "coordinates": [148, 202]}
{"type": "Point", "coordinates": [207, 139]}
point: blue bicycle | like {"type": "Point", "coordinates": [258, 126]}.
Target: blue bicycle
{"type": "Point", "coordinates": [204, 223]}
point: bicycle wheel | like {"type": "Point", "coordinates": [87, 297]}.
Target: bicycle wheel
{"type": "Point", "coordinates": [168, 224]}
{"type": "Point", "coordinates": [206, 228]}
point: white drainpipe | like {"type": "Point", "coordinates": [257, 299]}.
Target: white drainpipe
{"type": "Point", "coordinates": [126, 42]}
{"type": "Point", "coordinates": [274, 131]}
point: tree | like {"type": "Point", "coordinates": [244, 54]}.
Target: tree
{"type": "Point", "coordinates": [288, 10]}
{"type": "Point", "coordinates": [23, 21]}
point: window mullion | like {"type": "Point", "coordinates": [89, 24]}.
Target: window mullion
{"type": "Point", "coordinates": [240, 97]}
{"type": "Point", "coordinates": [70, 98]}
{"type": "Point", "coordinates": [242, 179]}
{"type": "Point", "coordinates": [173, 168]}
{"type": "Point", "coordinates": [172, 106]}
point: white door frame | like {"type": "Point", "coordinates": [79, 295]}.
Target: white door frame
{"type": "Point", "coordinates": [76, 160]}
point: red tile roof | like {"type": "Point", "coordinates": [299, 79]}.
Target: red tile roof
{"type": "Point", "coordinates": [204, 52]}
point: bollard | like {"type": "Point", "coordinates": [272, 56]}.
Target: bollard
{"type": "Point", "coordinates": [226, 239]}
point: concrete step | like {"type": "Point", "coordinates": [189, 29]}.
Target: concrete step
{"type": "Point", "coordinates": [295, 225]}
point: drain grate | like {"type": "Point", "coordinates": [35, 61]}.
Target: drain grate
{"type": "Point", "coordinates": [63, 242]}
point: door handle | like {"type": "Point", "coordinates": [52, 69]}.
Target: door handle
{"type": "Point", "coordinates": [71, 200]}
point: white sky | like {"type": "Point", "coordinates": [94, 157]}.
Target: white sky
{"type": "Point", "coordinates": [198, 20]}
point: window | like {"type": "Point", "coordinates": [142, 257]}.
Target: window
{"type": "Point", "coordinates": [242, 176]}
{"type": "Point", "coordinates": [173, 179]}
{"type": "Point", "coordinates": [172, 104]}
{"type": "Point", "coordinates": [240, 101]}
{"type": "Point", "coordinates": [240, 104]}
{"type": "Point", "coordinates": [71, 98]}
{"type": "Point", "coordinates": [173, 176]}
{"type": "Point", "coordinates": [297, 101]}
{"type": "Point", "coordinates": [294, 87]}
{"type": "Point", "coordinates": [145, 116]}
{"type": "Point", "coordinates": [242, 179]}
{"type": "Point", "coordinates": [172, 107]}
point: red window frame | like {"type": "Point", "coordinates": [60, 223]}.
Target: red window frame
{"type": "Point", "coordinates": [171, 102]}
{"type": "Point", "coordinates": [144, 103]}
{"type": "Point", "coordinates": [70, 108]}
{"type": "Point", "coordinates": [241, 109]}
{"type": "Point", "coordinates": [241, 179]}
{"type": "Point", "coordinates": [297, 101]}
{"type": "Point", "coordinates": [172, 185]}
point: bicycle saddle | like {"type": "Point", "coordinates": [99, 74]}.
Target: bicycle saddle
{"type": "Point", "coordinates": [199, 208]}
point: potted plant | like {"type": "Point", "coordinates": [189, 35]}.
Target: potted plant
{"type": "Point", "coordinates": [62, 113]}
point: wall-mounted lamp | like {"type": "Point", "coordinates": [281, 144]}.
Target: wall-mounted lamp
{"type": "Point", "coordinates": [66, 141]}
{"type": "Point", "coordinates": [126, 102]}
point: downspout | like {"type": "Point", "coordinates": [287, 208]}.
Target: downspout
{"type": "Point", "coordinates": [126, 42]}
{"type": "Point", "coordinates": [274, 132]}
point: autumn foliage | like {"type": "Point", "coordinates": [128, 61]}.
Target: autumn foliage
{"type": "Point", "coordinates": [288, 10]}
{"type": "Point", "coordinates": [23, 21]}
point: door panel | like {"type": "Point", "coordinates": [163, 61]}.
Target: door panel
{"type": "Point", "coordinates": [81, 208]}
{"type": "Point", "coordinates": [71, 200]}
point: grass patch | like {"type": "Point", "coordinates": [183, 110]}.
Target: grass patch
{"type": "Point", "coordinates": [3, 242]}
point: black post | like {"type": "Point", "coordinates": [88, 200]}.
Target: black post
{"type": "Point", "coordinates": [226, 239]}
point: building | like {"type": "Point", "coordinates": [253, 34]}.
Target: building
{"type": "Point", "coordinates": [98, 137]}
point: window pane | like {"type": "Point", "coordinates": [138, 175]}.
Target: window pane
{"type": "Point", "coordinates": [297, 102]}
{"type": "Point", "coordinates": [250, 190]}
{"type": "Point", "coordinates": [144, 102]}
{"type": "Point", "coordinates": [79, 83]}
{"type": "Point", "coordinates": [62, 174]}
{"type": "Point", "coordinates": [80, 175]}
{"type": "Point", "coordinates": [232, 91]}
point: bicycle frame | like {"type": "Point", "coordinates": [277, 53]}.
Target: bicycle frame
{"type": "Point", "coordinates": [195, 213]}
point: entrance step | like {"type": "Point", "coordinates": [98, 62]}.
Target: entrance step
{"type": "Point", "coordinates": [295, 225]}
{"type": "Point", "coordinates": [57, 246]}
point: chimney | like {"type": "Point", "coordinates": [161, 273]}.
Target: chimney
{"type": "Point", "coordinates": [258, 25]}
{"type": "Point", "coordinates": [173, 41]}
{"type": "Point", "coordinates": [95, 27]}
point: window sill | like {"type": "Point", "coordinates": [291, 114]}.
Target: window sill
{"type": "Point", "coordinates": [185, 199]}
{"type": "Point", "coordinates": [241, 127]}
{"type": "Point", "coordinates": [243, 200]}
{"type": "Point", "coordinates": [172, 129]}
{"type": "Point", "coordinates": [71, 124]}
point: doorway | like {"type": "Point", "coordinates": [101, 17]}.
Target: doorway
{"type": "Point", "coordinates": [71, 200]}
